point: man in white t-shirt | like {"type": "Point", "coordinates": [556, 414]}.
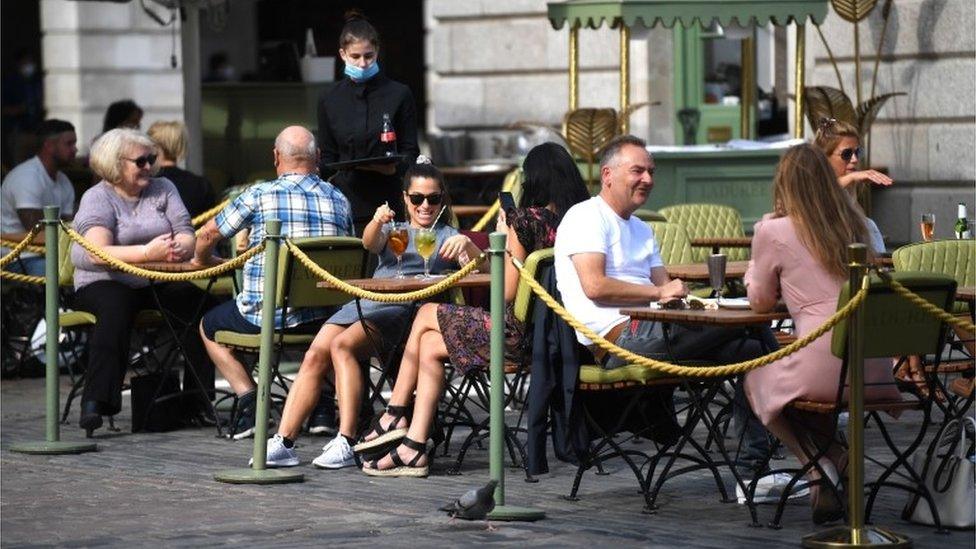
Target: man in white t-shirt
{"type": "Point", "coordinates": [36, 183]}
{"type": "Point", "coordinates": [606, 258]}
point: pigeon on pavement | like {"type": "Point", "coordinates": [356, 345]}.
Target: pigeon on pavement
{"type": "Point", "coordinates": [475, 504]}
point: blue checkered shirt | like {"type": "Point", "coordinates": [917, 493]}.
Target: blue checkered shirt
{"type": "Point", "coordinates": [306, 206]}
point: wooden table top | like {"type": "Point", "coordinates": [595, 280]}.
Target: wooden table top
{"type": "Point", "coordinates": [410, 283]}
{"type": "Point", "coordinates": [731, 242]}
{"type": "Point", "coordinates": [699, 271]}
{"type": "Point", "coordinates": [715, 317]}
{"type": "Point", "coordinates": [966, 293]}
{"type": "Point", "coordinates": [181, 267]}
{"type": "Point", "coordinates": [470, 210]}
{"type": "Point", "coordinates": [478, 170]}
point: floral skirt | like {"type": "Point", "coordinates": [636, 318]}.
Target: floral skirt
{"type": "Point", "coordinates": [467, 330]}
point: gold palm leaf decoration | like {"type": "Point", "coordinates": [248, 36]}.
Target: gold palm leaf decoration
{"type": "Point", "coordinates": [853, 11]}
{"type": "Point", "coordinates": [868, 111]}
{"type": "Point", "coordinates": [587, 132]}
{"type": "Point", "coordinates": [826, 102]}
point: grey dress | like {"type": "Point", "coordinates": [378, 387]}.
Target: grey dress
{"type": "Point", "coordinates": [391, 319]}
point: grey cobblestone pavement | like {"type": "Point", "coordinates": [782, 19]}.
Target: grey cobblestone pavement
{"type": "Point", "coordinates": [158, 490]}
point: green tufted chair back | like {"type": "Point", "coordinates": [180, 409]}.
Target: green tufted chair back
{"type": "Point", "coordinates": [955, 258]}
{"type": "Point", "coordinates": [708, 221]}
{"type": "Point", "coordinates": [673, 241]}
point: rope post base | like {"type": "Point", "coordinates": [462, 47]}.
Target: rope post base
{"type": "Point", "coordinates": [844, 536]}
{"type": "Point", "coordinates": [53, 448]}
{"type": "Point", "coordinates": [52, 443]}
{"type": "Point", "coordinates": [259, 473]}
{"type": "Point", "coordinates": [258, 476]}
{"type": "Point", "coordinates": [501, 512]}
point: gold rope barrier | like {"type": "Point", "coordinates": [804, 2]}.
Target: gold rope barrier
{"type": "Point", "coordinates": [27, 279]}
{"type": "Point", "coordinates": [693, 371]}
{"type": "Point", "coordinates": [207, 215]}
{"type": "Point", "coordinates": [209, 272]}
{"type": "Point", "coordinates": [925, 305]}
{"type": "Point", "coordinates": [378, 296]}
{"type": "Point", "coordinates": [17, 249]}
{"type": "Point", "coordinates": [33, 248]}
{"type": "Point", "coordinates": [487, 217]}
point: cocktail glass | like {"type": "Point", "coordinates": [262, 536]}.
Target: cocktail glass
{"type": "Point", "coordinates": [397, 240]}
{"type": "Point", "coordinates": [425, 241]}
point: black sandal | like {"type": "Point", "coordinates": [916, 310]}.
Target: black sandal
{"type": "Point", "coordinates": [401, 469]}
{"type": "Point", "coordinates": [385, 435]}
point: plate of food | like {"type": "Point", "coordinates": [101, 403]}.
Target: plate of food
{"type": "Point", "coordinates": [691, 302]}
{"type": "Point", "coordinates": [740, 303]}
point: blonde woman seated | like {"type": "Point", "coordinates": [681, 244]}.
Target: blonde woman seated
{"type": "Point", "coordinates": [799, 256]}
{"type": "Point", "coordinates": [196, 192]}
{"type": "Point", "coordinates": [842, 145]}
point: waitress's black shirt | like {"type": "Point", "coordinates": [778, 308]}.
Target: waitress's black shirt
{"type": "Point", "coordinates": [350, 117]}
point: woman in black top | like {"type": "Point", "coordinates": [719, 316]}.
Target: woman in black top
{"type": "Point", "coordinates": [351, 119]}
{"type": "Point", "coordinates": [195, 192]}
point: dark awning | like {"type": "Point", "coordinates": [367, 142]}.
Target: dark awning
{"type": "Point", "coordinates": [649, 13]}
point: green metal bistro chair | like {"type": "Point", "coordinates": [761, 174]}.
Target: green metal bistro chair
{"type": "Point", "coordinates": [709, 220]}
{"type": "Point", "coordinates": [343, 256]}
{"type": "Point", "coordinates": [893, 327]}
{"type": "Point", "coordinates": [673, 241]}
{"type": "Point", "coordinates": [957, 259]}
{"type": "Point", "coordinates": [477, 380]}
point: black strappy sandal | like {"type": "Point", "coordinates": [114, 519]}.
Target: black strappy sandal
{"type": "Point", "coordinates": [401, 469]}
{"type": "Point", "coordinates": [385, 435]}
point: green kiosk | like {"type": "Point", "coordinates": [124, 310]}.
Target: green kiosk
{"type": "Point", "coordinates": [712, 173]}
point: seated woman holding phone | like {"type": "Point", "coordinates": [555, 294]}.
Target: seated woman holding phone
{"type": "Point", "coordinates": [443, 332]}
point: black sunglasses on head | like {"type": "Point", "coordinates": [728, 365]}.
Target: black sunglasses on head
{"type": "Point", "coordinates": [433, 198]}
{"type": "Point", "coordinates": [143, 160]}
{"type": "Point", "coordinates": [847, 154]}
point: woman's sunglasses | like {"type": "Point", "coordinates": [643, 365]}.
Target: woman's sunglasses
{"type": "Point", "coordinates": [143, 160]}
{"type": "Point", "coordinates": [433, 198]}
{"type": "Point", "coordinates": [847, 154]}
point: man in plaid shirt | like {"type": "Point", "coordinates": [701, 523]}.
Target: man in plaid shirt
{"type": "Point", "coordinates": [306, 206]}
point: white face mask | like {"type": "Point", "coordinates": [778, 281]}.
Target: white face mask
{"type": "Point", "coordinates": [28, 69]}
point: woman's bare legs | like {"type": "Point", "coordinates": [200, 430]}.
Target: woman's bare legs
{"type": "Point", "coordinates": [430, 384]}
{"type": "Point", "coordinates": [424, 323]}
{"type": "Point", "coordinates": [304, 392]}
{"type": "Point", "coordinates": [347, 350]}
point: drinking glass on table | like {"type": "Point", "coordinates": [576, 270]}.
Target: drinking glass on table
{"type": "Point", "coordinates": [425, 241]}
{"type": "Point", "coordinates": [716, 274]}
{"type": "Point", "coordinates": [397, 240]}
{"type": "Point", "coordinates": [928, 226]}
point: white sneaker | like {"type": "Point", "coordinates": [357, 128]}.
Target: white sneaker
{"type": "Point", "coordinates": [279, 455]}
{"type": "Point", "coordinates": [336, 455]}
{"type": "Point", "coordinates": [770, 488]}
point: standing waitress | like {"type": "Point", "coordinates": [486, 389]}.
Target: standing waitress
{"type": "Point", "coordinates": [351, 119]}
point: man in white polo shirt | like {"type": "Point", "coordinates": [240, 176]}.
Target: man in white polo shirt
{"type": "Point", "coordinates": [36, 183]}
{"type": "Point", "coordinates": [606, 258]}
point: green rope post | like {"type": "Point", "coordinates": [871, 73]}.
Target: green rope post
{"type": "Point", "coordinates": [52, 443]}
{"type": "Point", "coordinates": [856, 534]}
{"type": "Point", "coordinates": [258, 473]}
{"type": "Point", "coordinates": [497, 372]}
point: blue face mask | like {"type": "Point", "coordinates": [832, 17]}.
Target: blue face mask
{"type": "Point", "coordinates": [361, 75]}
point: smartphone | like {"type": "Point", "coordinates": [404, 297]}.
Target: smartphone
{"type": "Point", "coordinates": [506, 200]}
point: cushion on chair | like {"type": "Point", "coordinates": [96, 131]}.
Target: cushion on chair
{"type": "Point", "coordinates": [709, 221]}
{"type": "Point", "coordinates": [631, 374]}
{"type": "Point", "coordinates": [73, 319]}
{"type": "Point", "coordinates": [252, 342]}
{"type": "Point", "coordinates": [954, 258]}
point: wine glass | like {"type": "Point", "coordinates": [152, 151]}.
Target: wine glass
{"type": "Point", "coordinates": [425, 240]}
{"type": "Point", "coordinates": [716, 274]}
{"type": "Point", "coordinates": [928, 226]}
{"type": "Point", "coordinates": [397, 241]}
